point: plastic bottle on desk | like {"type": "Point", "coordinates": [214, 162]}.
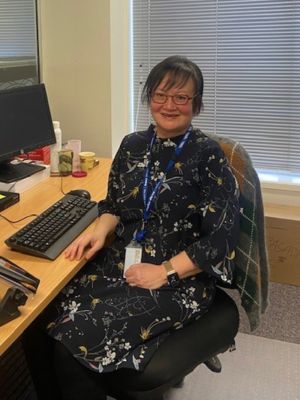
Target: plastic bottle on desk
{"type": "Point", "coordinates": [54, 149]}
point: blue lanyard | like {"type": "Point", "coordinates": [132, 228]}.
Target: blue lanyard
{"type": "Point", "coordinates": [148, 201]}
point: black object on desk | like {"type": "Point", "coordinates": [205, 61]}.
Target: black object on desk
{"type": "Point", "coordinates": [10, 172]}
{"type": "Point", "coordinates": [53, 230]}
{"type": "Point", "coordinates": [81, 193]}
{"type": "Point", "coordinates": [9, 310]}
{"type": "Point", "coordinates": [20, 285]}
{"type": "Point", "coordinates": [26, 124]}
{"type": "Point", "coordinates": [7, 199]}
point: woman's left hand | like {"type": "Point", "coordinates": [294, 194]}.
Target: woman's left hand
{"type": "Point", "coordinates": [146, 276]}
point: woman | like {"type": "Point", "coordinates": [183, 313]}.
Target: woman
{"type": "Point", "coordinates": [172, 205]}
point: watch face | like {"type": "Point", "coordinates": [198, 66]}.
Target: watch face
{"type": "Point", "coordinates": [173, 279]}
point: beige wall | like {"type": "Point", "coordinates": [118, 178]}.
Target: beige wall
{"type": "Point", "coordinates": [75, 66]}
{"type": "Point", "coordinates": [120, 65]}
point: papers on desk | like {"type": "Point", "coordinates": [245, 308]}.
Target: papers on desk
{"type": "Point", "coordinates": [16, 275]}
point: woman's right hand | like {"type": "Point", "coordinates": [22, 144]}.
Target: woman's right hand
{"type": "Point", "coordinates": [86, 245]}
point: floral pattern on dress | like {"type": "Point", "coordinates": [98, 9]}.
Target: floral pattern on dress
{"type": "Point", "coordinates": [108, 324]}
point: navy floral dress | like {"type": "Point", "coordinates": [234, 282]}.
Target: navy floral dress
{"type": "Point", "coordinates": [106, 323]}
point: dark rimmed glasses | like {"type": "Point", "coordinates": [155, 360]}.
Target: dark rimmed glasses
{"type": "Point", "coordinates": [178, 99]}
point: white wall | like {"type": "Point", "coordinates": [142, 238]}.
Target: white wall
{"type": "Point", "coordinates": [120, 59]}
{"type": "Point", "coordinates": [75, 66]}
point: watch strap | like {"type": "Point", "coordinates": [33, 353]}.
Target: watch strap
{"type": "Point", "coordinates": [172, 275]}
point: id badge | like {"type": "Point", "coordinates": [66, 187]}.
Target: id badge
{"type": "Point", "coordinates": [133, 255]}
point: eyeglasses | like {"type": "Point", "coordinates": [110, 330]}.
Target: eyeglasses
{"type": "Point", "coordinates": [178, 99]}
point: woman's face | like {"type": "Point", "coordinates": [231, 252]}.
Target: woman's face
{"type": "Point", "coordinates": [172, 119]}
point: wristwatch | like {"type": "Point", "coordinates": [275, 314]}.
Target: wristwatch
{"type": "Point", "coordinates": [172, 276]}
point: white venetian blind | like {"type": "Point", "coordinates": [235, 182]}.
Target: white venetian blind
{"type": "Point", "coordinates": [249, 53]}
{"type": "Point", "coordinates": [17, 28]}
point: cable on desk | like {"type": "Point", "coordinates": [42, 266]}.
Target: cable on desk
{"type": "Point", "coordinates": [30, 215]}
{"type": "Point", "coordinates": [61, 185]}
{"type": "Point", "coordinates": [18, 220]}
{"type": "Point", "coordinates": [11, 186]}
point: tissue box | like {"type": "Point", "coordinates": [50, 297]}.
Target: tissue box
{"type": "Point", "coordinates": [42, 155]}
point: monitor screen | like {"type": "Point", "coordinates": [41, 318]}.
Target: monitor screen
{"type": "Point", "coordinates": [25, 121]}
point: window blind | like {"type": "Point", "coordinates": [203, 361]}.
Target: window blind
{"type": "Point", "coordinates": [17, 28]}
{"type": "Point", "coordinates": [249, 54]}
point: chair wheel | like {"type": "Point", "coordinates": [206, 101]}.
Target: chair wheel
{"type": "Point", "coordinates": [214, 364]}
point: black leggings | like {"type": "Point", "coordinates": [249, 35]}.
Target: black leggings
{"type": "Point", "coordinates": [56, 374]}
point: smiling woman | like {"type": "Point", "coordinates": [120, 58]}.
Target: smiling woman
{"type": "Point", "coordinates": [173, 91]}
{"type": "Point", "coordinates": [172, 204]}
{"type": "Point", "coordinates": [18, 44]}
{"type": "Point", "coordinates": [172, 109]}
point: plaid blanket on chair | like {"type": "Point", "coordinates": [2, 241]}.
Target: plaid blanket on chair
{"type": "Point", "coordinates": [251, 261]}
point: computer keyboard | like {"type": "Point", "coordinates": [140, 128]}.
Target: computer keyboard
{"type": "Point", "coordinates": [14, 172]}
{"type": "Point", "coordinates": [53, 230]}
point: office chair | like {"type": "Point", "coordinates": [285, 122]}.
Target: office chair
{"type": "Point", "coordinates": [180, 353]}
{"type": "Point", "coordinates": [202, 340]}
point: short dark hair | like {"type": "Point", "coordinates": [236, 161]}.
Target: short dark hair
{"type": "Point", "coordinates": [180, 69]}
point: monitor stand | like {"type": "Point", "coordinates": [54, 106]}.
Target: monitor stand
{"type": "Point", "coordinates": [14, 172]}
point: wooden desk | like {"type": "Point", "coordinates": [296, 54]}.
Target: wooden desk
{"type": "Point", "coordinates": [53, 275]}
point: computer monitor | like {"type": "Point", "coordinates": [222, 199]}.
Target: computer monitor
{"type": "Point", "coordinates": [25, 124]}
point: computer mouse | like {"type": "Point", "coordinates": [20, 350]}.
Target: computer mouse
{"type": "Point", "coordinates": [80, 193]}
